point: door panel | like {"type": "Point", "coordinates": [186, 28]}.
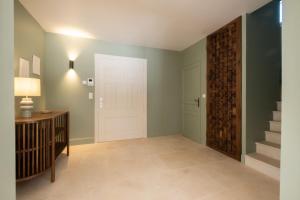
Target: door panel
{"type": "Point", "coordinates": [191, 99]}
{"type": "Point", "coordinates": [224, 89]}
{"type": "Point", "coordinates": [121, 98]}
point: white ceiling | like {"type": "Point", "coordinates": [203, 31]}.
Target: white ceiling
{"type": "Point", "coordinates": [166, 24]}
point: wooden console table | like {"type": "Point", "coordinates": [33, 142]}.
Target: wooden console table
{"type": "Point", "coordinates": [39, 141]}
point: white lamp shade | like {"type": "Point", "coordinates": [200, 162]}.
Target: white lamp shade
{"type": "Point", "coordinates": [25, 87]}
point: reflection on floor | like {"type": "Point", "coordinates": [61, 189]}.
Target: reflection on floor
{"type": "Point", "coordinates": [166, 168]}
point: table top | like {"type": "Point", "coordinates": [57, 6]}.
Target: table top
{"type": "Point", "coordinates": [38, 116]}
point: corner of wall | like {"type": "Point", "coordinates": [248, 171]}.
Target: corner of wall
{"type": "Point", "coordinates": [244, 88]}
{"type": "Point", "coordinates": [7, 114]}
{"type": "Point", "coordinates": [29, 40]}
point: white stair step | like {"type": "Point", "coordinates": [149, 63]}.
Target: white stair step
{"type": "Point", "coordinates": [275, 126]}
{"type": "Point", "coordinates": [278, 105]}
{"type": "Point", "coordinates": [263, 164]}
{"type": "Point", "coordinates": [273, 137]}
{"type": "Point", "coordinates": [277, 115]}
{"type": "Point", "coordinates": [268, 149]}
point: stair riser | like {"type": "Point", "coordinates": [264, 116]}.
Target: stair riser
{"type": "Point", "coordinates": [263, 167]}
{"type": "Point", "coordinates": [269, 151]}
{"type": "Point", "coordinates": [275, 126]}
{"type": "Point", "coordinates": [279, 106]}
{"type": "Point", "coordinates": [276, 116]}
{"type": "Point", "coordinates": [273, 137]}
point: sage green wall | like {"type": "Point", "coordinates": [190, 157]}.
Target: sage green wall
{"type": "Point", "coordinates": [290, 145]}
{"type": "Point", "coordinates": [196, 55]}
{"type": "Point", "coordinates": [62, 92]}
{"type": "Point", "coordinates": [29, 41]}
{"type": "Point", "coordinates": [263, 71]}
{"type": "Point", "coordinates": [7, 135]}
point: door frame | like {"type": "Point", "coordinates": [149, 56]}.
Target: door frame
{"type": "Point", "coordinates": [184, 69]}
{"type": "Point", "coordinates": [97, 136]}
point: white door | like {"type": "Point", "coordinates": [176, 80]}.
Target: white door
{"type": "Point", "coordinates": [120, 98]}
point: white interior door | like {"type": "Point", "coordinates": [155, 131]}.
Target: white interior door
{"type": "Point", "coordinates": [120, 98]}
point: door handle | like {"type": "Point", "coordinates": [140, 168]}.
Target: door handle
{"type": "Point", "coordinates": [197, 100]}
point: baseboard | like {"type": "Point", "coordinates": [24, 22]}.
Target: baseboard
{"type": "Point", "coordinates": [91, 140]}
{"type": "Point", "coordinates": [152, 135]}
{"type": "Point", "coordinates": [79, 141]}
{"type": "Point", "coordinates": [243, 158]}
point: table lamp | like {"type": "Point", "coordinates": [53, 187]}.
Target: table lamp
{"type": "Point", "coordinates": [26, 88]}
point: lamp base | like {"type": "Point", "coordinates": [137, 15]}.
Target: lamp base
{"type": "Point", "coordinates": [26, 113]}
{"type": "Point", "coordinates": [26, 107]}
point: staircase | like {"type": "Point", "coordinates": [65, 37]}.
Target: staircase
{"type": "Point", "coordinates": [267, 157]}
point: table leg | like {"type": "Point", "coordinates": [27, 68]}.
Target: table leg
{"type": "Point", "coordinates": [53, 151]}
{"type": "Point", "coordinates": [68, 133]}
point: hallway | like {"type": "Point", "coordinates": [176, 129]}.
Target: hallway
{"type": "Point", "coordinates": [170, 167]}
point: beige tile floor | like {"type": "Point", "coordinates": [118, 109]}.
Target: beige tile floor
{"type": "Point", "coordinates": [162, 168]}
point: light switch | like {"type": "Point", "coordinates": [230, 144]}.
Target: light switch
{"type": "Point", "coordinates": [90, 82]}
{"type": "Point", "coordinates": [203, 96]}
{"type": "Point", "coordinates": [91, 95]}
{"type": "Point", "coordinates": [84, 82]}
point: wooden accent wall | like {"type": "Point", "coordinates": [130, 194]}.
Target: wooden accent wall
{"type": "Point", "coordinates": [224, 72]}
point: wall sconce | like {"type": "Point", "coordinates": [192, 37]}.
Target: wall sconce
{"type": "Point", "coordinates": [71, 64]}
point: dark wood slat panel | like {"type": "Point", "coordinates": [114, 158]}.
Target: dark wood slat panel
{"type": "Point", "coordinates": [224, 89]}
{"type": "Point", "coordinates": [41, 149]}
{"type": "Point", "coordinates": [53, 150]}
{"type": "Point", "coordinates": [32, 152]}
{"type": "Point", "coordinates": [23, 158]}
{"type": "Point", "coordinates": [37, 149]}
{"type": "Point", "coordinates": [67, 133]}
{"type": "Point", "coordinates": [28, 146]}
{"type": "Point", "coordinates": [44, 146]}
{"type": "Point", "coordinates": [19, 148]}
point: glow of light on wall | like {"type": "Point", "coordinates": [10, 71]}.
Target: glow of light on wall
{"type": "Point", "coordinates": [72, 55]}
{"type": "Point", "coordinates": [71, 75]}
{"type": "Point", "coordinates": [74, 33]}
